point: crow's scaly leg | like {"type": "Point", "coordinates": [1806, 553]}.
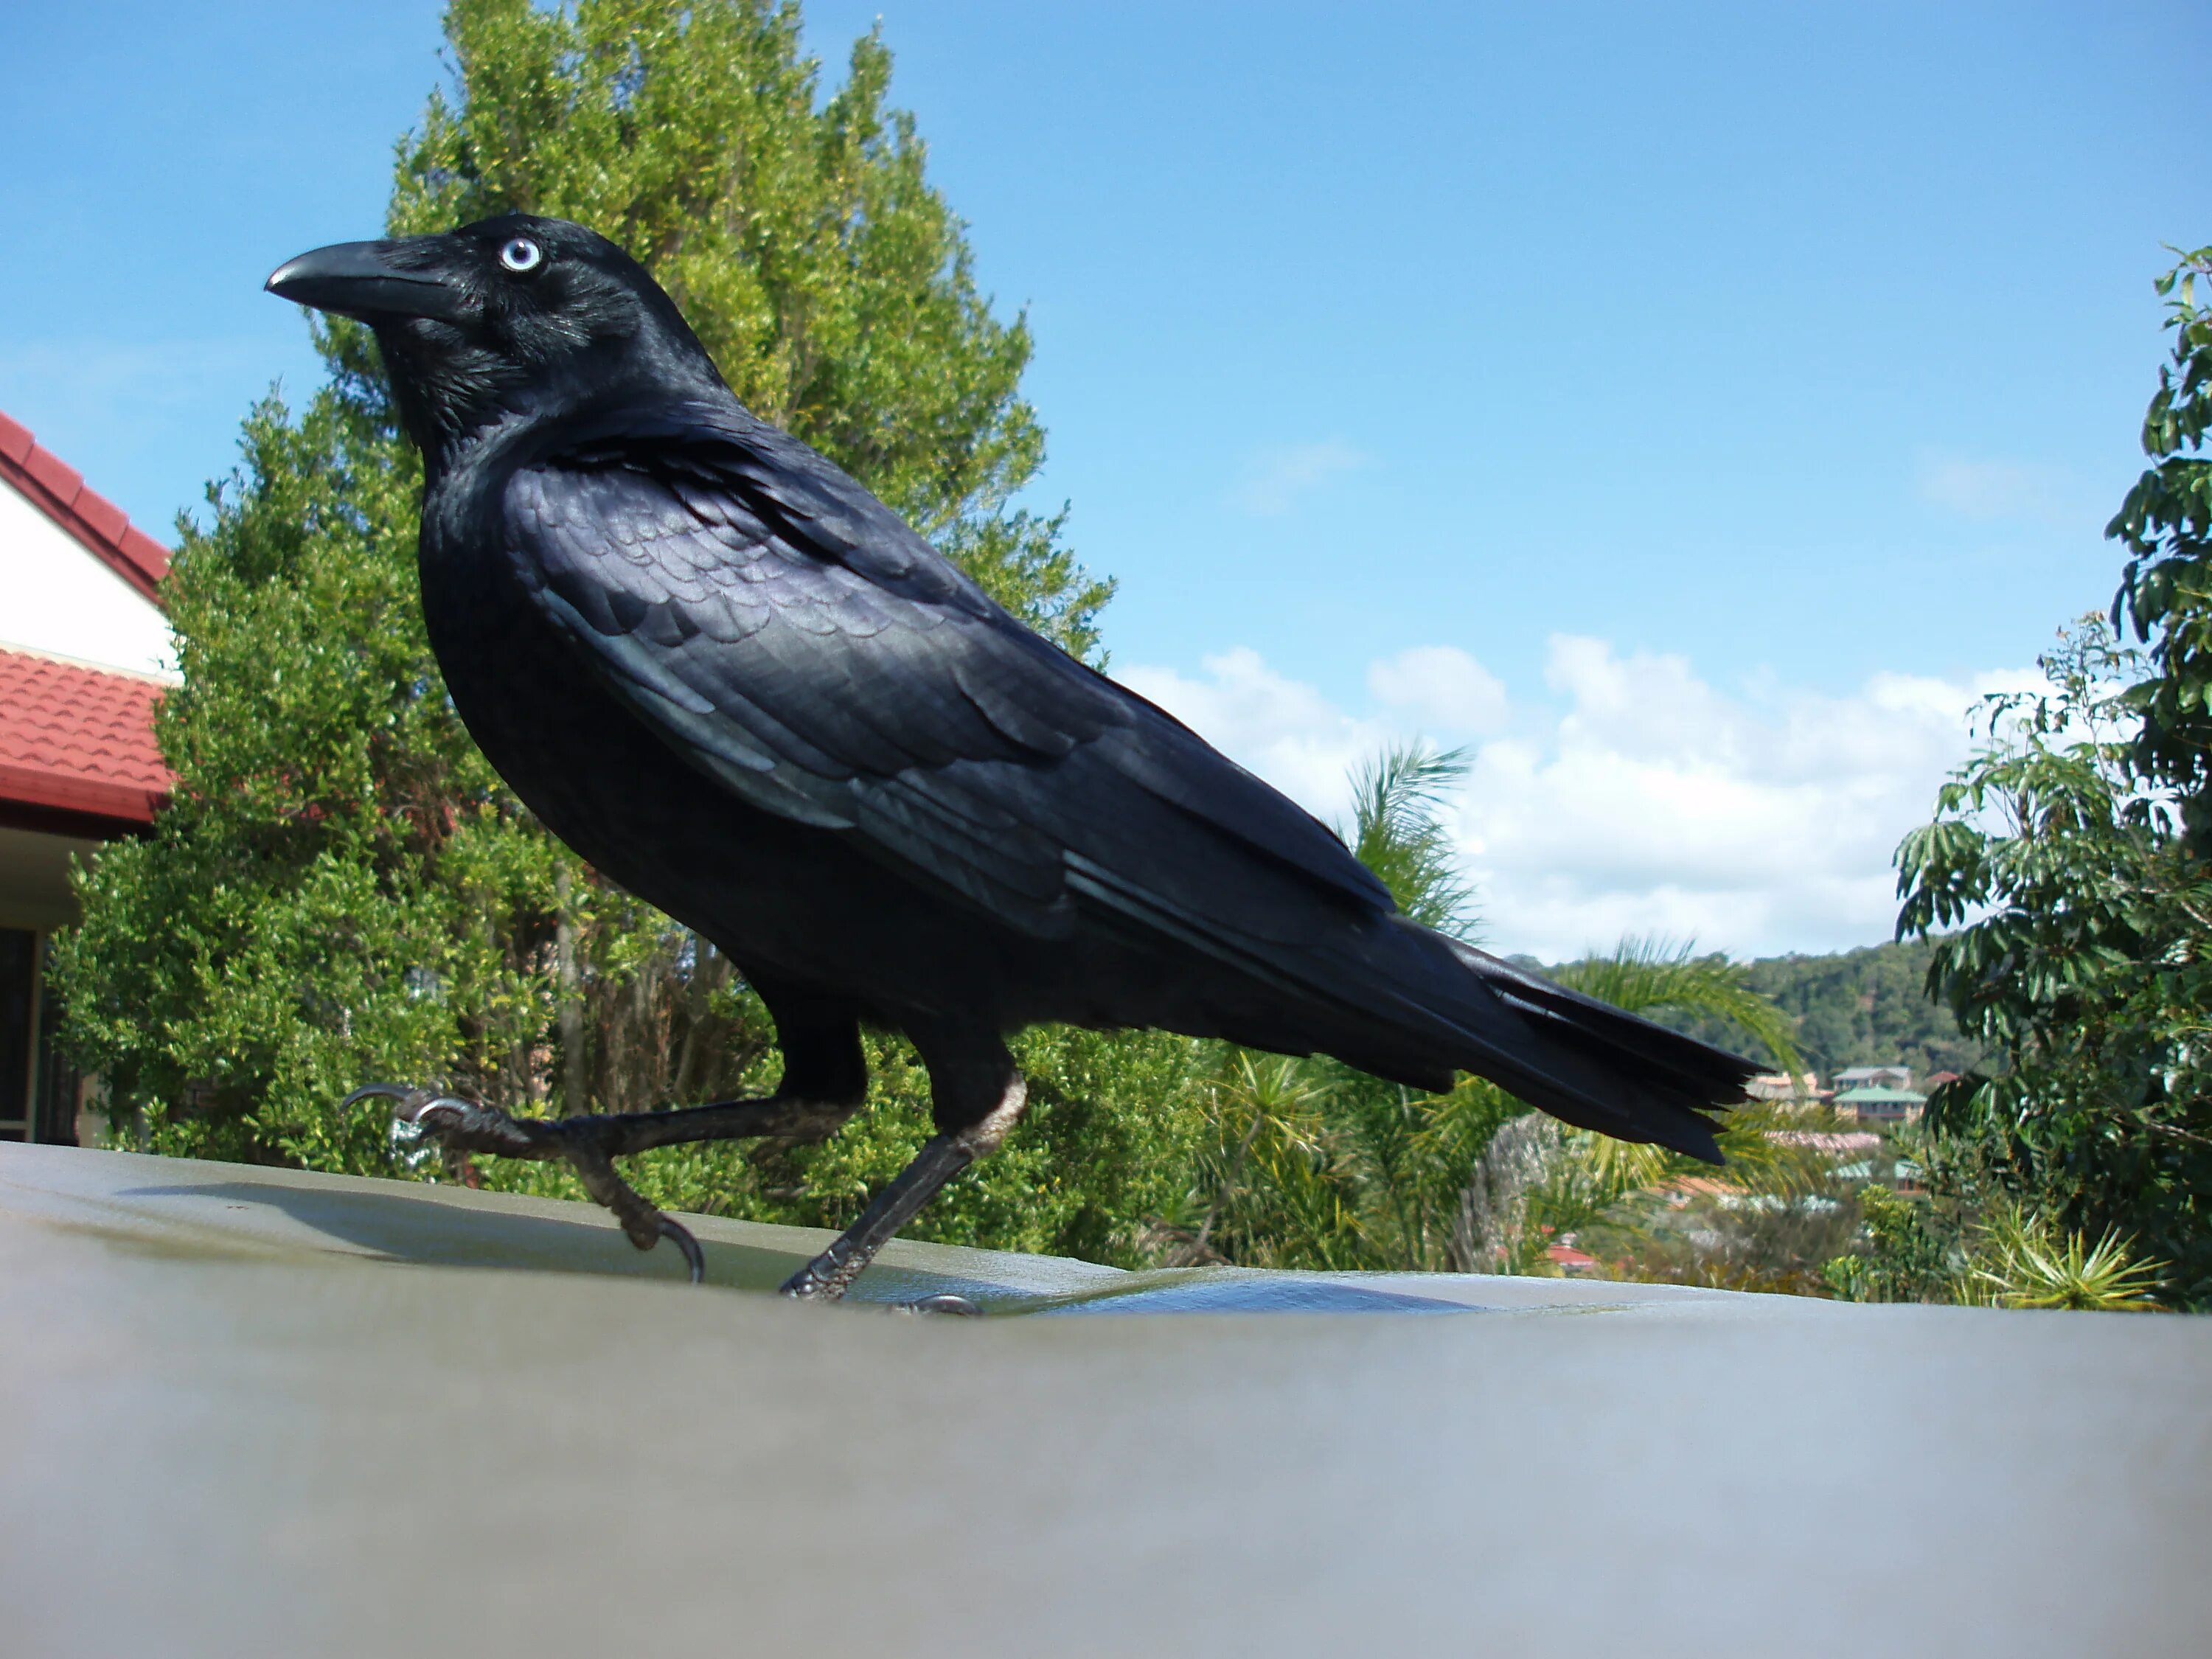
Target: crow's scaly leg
{"type": "Point", "coordinates": [591, 1143]}
{"type": "Point", "coordinates": [831, 1274]}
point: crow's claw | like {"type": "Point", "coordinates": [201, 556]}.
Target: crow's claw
{"type": "Point", "coordinates": [459, 1126]}
{"type": "Point", "coordinates": [411, 1102]}
{"type": "Point", "coordinates": [680, 1236]}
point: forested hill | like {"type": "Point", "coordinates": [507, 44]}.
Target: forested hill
{"type": "Point", "coordinates": [1865, 1007]}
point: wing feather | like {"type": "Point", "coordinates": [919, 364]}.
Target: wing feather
{"type": "Point", "coordinates": [790, 636]}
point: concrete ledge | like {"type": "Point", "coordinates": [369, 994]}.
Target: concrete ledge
{"type": "Point", "coordinates": [235, 1210]}
{"type": "Point", "coordinates": [236, 1417]}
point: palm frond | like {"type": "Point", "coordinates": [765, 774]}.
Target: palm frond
{"type": "Point", "coordinates": [1275, 1185]}
{"type": "Point", "coordinates": [2025, 1262]}
{"type": "Point", "coordinates": [1652, 976]}
{"type": "Point", "coordinates": [1398, 831]}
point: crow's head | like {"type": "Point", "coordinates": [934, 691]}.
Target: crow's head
{"type": "Point", "coordinates": [515, 317]}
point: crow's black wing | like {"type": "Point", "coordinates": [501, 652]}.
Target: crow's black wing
{"type": "Point", "coordinates": [792, 637]}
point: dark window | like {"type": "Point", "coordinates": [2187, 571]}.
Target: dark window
{"type": "Point", "coordinates": [56, 1080]}
{"type": "Point", "coordinates": [19, 962]}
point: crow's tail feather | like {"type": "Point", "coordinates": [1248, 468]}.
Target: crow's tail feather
{"type": "Point", "coordinates": [1418, 1007]}
{"type": "Point", "coordinates": [1598, 1068]}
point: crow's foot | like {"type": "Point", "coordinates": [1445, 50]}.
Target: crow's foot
{"type": "Point", "coordinates": [591, 1143]}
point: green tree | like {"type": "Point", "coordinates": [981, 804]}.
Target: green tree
{"type": "Point", "coordinates": [2070, 855]}
{"type": "Point", "coordinates": [1278, 1181]}
{"type": "Point", "coordinates": [1905, 1251]}
{"type": "Point", "coordinates": [2004, 1255]}
{"type": "Point", "coordinates": [2079, 914]}
{"type": "Point", "coordinates": [2166, 591]}
{"type": "Point", "coordinates": [341, 889]}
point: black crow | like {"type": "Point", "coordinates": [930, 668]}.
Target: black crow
{"type": "Point", "coordinates": [737, 683]}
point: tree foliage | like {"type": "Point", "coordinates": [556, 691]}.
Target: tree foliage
{"type": "Point", "coordinates": [1904, 1252]}
{"type": "Point", "coordinates": [2166, 591]}
{"type": "Point", "coordinates": [2077, 916]}
{"type": "Point", "coordinates": [2069, 856]}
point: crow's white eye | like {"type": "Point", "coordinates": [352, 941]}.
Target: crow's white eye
{"type": "Point", "coordinates": [522, 256]}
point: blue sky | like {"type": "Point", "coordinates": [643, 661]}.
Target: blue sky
{"type": "Point", "coordinates": [1690, 407]}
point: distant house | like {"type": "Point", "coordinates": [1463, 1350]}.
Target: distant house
{"type": "Point", "coordinates": [85, 652]}
{"type": "Point", "coordinates": [1872, 1104]}
{"type": "Point", "coordinates": [1874, 1076]}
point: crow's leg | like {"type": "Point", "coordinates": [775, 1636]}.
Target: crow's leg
{"type": "Point", "coordinates": [977, 1097]}
{"type": "Point", "coordinates": [591, 1143]}
{"type": "Point", "coordinates": [825, 1081]}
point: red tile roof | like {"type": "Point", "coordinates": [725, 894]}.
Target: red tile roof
{"type": "Point", "coordinates": [79, 739]}
{"type": "Point", "coordinates": [58, 489]}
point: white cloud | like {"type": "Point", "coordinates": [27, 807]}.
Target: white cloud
{"type": "Point", "coordinates": [1991, 491]}
{"type": "Point", "coordinates": [1440, 685]}
{"type": "Point", "coordinates": [1658, 805]}
{"type": "Point", "coordinates": [1644, 799]}
{"type": "Point", "coordinates": [1274, 482]}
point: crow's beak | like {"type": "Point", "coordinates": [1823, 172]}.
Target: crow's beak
{"type": "Point", "coordinates": [359, 279]}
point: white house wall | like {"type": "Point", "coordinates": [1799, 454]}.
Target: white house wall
{"type": "Point", "coordinates": [58, 598]}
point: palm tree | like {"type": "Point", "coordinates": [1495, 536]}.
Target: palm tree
{"type": "Point", "coordinates": [1398, 832]}
{"type": "Point", "coordinates": [1279, 1189]}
